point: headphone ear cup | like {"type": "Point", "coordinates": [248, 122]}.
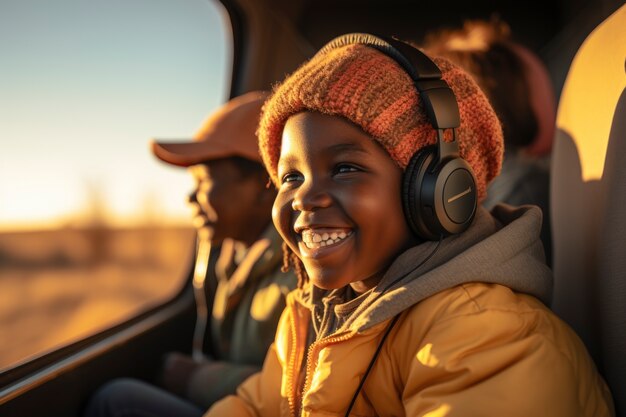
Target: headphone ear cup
{"type": "Point", "coordinates": [411, 189]}
{"type": "Point", "coordinates": [438, 200]}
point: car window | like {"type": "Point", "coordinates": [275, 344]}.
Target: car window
{"type": "Point", "coordinates": [93, 229]}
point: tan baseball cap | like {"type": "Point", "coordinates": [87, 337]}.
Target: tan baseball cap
{"type": "Point", "coordinates": [229, 131]}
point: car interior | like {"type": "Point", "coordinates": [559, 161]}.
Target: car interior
{"type": "Point", "coordinates": [582, 43]}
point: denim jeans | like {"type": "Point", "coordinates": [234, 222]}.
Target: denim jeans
{"type": "Point", "coordinates": [127, 397]}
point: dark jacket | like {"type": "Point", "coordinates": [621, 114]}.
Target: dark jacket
{"type": "Point", "coordinates": [247, 293]}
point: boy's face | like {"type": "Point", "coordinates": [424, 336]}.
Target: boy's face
{"type": "Point", "coordinates": [338, 205]}
{"type": "Point", "coordinates": [226, 203]}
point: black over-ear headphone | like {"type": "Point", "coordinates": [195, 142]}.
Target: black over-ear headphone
{"type": "Point", "coordinates": [438, 188]}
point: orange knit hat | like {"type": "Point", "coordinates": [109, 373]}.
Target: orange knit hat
{"type": "Point", "coordinates": [370, 89]}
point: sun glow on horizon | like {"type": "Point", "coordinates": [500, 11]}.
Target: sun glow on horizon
{"type": "Point", "coordinates": [59, 202]}
{"type": "Point", "coordinates": [75, 132]}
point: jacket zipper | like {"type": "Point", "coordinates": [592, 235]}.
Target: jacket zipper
{"type": "Point", "coordinates": [293, 371]}
{"type": "Point", "coordinates": [313, 353]}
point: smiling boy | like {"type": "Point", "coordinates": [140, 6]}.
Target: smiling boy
{"type": "Point", "coordinates": [402, 311]}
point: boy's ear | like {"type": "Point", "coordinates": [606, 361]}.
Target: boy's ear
{"type": "Point", "coordinates": [267, 193]}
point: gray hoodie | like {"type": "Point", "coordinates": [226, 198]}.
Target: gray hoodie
{"type": "Point", "coordinates": [501, 247]}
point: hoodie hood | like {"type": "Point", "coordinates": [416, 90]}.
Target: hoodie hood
{"type": "Point", "coordinates": [499, 248]}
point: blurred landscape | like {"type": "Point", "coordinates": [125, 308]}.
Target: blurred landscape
{"type": "Point", "coordinates": [59, 286]}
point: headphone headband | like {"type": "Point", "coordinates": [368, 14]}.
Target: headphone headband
{"type": "Point", "coordinates": [438, 98]}
{"type": "Point", "coordinates": [414, 62]}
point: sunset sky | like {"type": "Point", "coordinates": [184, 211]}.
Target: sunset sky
{"type": "Point", "coordinates": [85, 84]}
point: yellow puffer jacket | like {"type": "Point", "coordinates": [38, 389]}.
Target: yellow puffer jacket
{"type": "Point", "coordinates": [472, 349]}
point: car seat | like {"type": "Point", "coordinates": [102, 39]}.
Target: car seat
{"type": "Point", "coordinates": [588, 201]}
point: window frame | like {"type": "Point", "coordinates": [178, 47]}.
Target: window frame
{"type": "Point", "coordinates": [35, 371]}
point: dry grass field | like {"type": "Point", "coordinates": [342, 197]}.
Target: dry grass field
{"type": "Point", "coordinates": [59, 286]}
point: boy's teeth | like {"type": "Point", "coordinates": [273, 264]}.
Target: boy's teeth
{"type": "Point", "coordinates": [316, 240]}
